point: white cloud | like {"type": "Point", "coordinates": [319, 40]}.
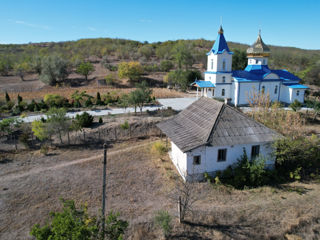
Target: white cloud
{"type": "Point", "coordinates": [30, 24]}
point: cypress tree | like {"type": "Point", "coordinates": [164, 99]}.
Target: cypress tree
{"type": "Point", "coordinates": [98, 102]}
{"type": "Point", "coordinates": [19, 99]}
{"type": "Point", "coordinates": [7, 97]}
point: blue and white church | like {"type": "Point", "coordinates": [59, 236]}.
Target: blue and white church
{"type": "Point", "coordinates": [239, 86]}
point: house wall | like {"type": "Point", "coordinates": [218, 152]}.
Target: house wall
{"type": "Point", "coordinates": [179, 159]}
{"type": "Point", "coordinates": [209, 157]}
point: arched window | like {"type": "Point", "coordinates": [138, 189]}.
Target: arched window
{"type": "Point", "coordinates": [264, 62]}
{"type": "Point", "coordinates": [211, 64]}
{"type": "Point", "coordinates": [263, 89]}
{"type": "Point", "coordinates": [223, 79]}
{"type": "Point", "coordinates": [298, 92]}
{"type": "Point", "coordinates": [276, 89]}
{"type": "Point", "coordinates": [224, 65]}
{"type": "Point", "coordinates": [223, 92]}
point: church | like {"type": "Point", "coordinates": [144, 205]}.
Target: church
{"type": "Point", "coordinates": [239, 86]}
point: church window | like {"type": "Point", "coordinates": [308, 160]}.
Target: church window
{"type": "Point", "coordinates": [211, 64]}
{"type": "Point", "coordinates": [222, 155]}
{"type": "Point", "coordinates": [197, 160]}
{"type": "Point", "coordinates": [223, 79]}
{"type": "Point", "coordinates": [264, 62]}
{"type": "Point", "coordinates": [257, 61]}
{"type": "Point", "coordinates": [223, 92]}
{"type": "Point", "coordinates": [276, 90]}
{"type": "Point", "coordinates": [298, 92]}
{"type": "Point", "coordinates": [224, 65]}
{"type": "Point", "coordinates": [263, 89]}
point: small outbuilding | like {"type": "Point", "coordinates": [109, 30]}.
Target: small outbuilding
{"type": "Point", "coordinates": [209, 136]}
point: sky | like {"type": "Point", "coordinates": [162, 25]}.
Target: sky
{"type": "Point", "coordinates": [283, 22]}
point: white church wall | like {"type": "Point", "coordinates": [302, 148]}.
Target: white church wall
{"type": "Point", "coordinates": [219, 88]}
{"type": "Point", "coordinates": [271, 88]}
{"type": "Point", "coordinates": [209, 156]}
{"type": "Point", "coordinates": [245, 91]}
{"type": "Point", "coordinates": [297, 94]}
{"type": "Point", "coordinates": [285, 94]}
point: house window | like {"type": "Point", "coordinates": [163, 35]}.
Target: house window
{"type": "Point", "coordinates": [222, 155]}
{"type": "Point", "coordinates": [298, 92]}
{"type": "Point", "coordinates": [224, 65]}
{"type": "Point", "coordinates": [276, 90]}
{"type": "Point", "coordinates": [223, 92]}
{"type": "Point", "coordinates": [255, 150]}
{"type": "Point", "coordinates": [263, 89]}
{"type": "Point", "coordinates": [197, 160]}
{"type": "Point", "coordinates": [223, 79]}
{"type": "Point", "coordinates": [211, 64]}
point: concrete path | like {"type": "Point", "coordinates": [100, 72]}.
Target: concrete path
{"type": "Point", "coordinates": [176, 103]}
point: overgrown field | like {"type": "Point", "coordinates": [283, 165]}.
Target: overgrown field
{"type": "Point", "coordinates": [139, 184]}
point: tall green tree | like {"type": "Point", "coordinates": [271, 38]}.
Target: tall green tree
{"type": "Point", "coordinates": [54, 69]}
{"type": "Point", "coordinates": [182, 54]}
{"type": "Point", "coordinates": [58, 122]}
{"type": "Point", "coordinates": [239, 60]}
{"type": "Point", "coordinates": [21, 69]}
{"type": "Point", "coordinates": [131, 70]}
{"type": "Point", "coordinates": [140, 96]}
{"type": "Point", "coordinates": [85, 69]}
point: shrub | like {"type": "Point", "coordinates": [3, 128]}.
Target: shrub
{"type": "Point", "coordinates": [125, 125]}
{"type": "Point", "coordinates": [110, 79]}
{"type": "Point", "coordinates": [245, 173]}
{"type": "Point", "coordinates": [54, 100]}
{"type": "Point", "coordinates": [98, 99]}
{"type": "Point", "coordinates": [296, 105]}
{"type": "Point", "coordinates": [115, 227]}
{"type": "Point", "coordinates": [88, 103]}
{"type": "Point", "coordinates": [163, 220]}
{"type": "Point", "coordinates": [84, 120]}
{"type": "Point", "coordinates": [159, 149]}
{"type": "Point", "coordinates": [166, 65]}
{"type": "Point", "coordinates": [100, 120]}
{"type": "Point", "coordinates": [44, 149]}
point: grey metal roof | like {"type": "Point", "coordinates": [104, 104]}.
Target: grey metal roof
{"type": "Point", "coordinates": [259, 47]}
{"type": "Point", "coordinates": [210, 122]}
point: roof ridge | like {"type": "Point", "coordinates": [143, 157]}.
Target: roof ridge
{"type": "Point", "coordinates": [216, 122]}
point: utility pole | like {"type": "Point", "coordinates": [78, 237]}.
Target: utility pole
{"type": "Point", "coordinates": [104, 187]}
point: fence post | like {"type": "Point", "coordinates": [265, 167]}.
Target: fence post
{"type": "Point", "coordinates": [179, 209]}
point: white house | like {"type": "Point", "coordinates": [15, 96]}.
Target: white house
{"type": "Point", "coordinates": [238, 86]}
{"type": "Point", "coordinates": [209, 135]}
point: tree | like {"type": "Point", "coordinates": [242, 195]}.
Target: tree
{"type": "Point", "coordinates": [239, 60]}
{"type": "Point", "coordinates": [39, 130]}
{"type": "Point", "coordinates": [5, 66]}
{"type": "Point", "coordinates": [166, 65]}
{"type": "Point", "coordinates": [98, 99]}
{"type": "Point", "coordinates": [78, 97]}
{"type": "Point", "coordinates": [124, 101]}
{"type": "Point", "coordinates": [8, 126]}
{"type": "Point", "coordinates": [21, 69]}
{"type": "Point", "coordinates": [140, 96]}
{"type": "Point", "coordinates": [182, 55]}
{"type": "Point", "coordinates": [147, 51]}
{"type": "Point", "coordinates": [85, 69]}
{"type": "Point", "coordinates": [57, 122]}
{"type": "Point", "coordinates": [131, 70]}
{"type": "Point", "coordinates": [7, 97]}
{"type": "Point", "coordinates": [84, 120]}
{"type": "Point", "coordinates": [36, 64]}
{"type": "Point", "coordinates": [182, 78]}
{"type": "Point", "coordinates": [54, 69]}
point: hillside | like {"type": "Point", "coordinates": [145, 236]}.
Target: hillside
{"type": "Point", "coordinates": [108, 53]}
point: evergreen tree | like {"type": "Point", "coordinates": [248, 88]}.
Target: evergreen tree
{"type": "Point", "coordinates": [7, 97]}
{"type": "Point", "coordinates": [98, 102]}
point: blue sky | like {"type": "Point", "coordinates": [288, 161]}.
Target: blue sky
{"type": "Point", "coordinates": [283, 22]}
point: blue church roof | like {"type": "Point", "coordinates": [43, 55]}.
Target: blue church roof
{"type": "Point", "coordinates": [259, 72]}
{"type": "Point", "coordinates": [203, 84]}
{"type": "Point", "coordinates": [295, 85]}
{"type": "Point", "coordinates": [220, 45]}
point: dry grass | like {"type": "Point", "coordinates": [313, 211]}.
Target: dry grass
{"type": "Point", "coordinates": [67, 92]}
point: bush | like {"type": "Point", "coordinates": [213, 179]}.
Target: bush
{"type": "Point", "coordinates": [163, 220]}
{"type": "Point", "coordinates": [166, 65]}
{"type": "Point", "coordinates": [100, 120]}
{"type": "Point", "coordinates": [55, 100]}
{"type": "Point", "coordinates": [84, 120]}
{"type": "Point", "coordinates": [125, 125]}
{"type": "Point", "coordinates": [44, 149]}
{"type": "Point", "coordinates": [245, 173]}
{"type": "Point", "coordinates": [110, 79]}
{"type": "Point", "coordinates": [159, 149]}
